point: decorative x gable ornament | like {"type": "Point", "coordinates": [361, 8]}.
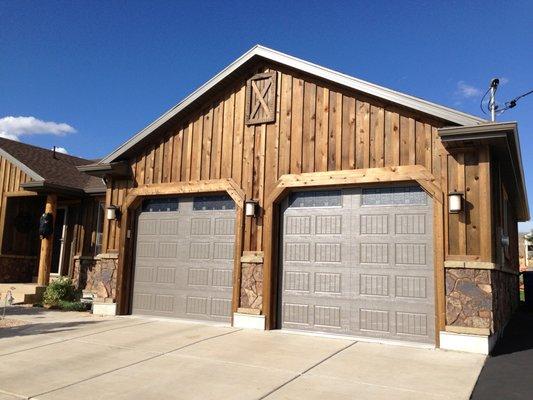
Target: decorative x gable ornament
{"type": "Point", "coordinates": [261, 98]}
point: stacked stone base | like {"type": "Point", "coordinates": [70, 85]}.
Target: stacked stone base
{"type": "Point", "coordinates": [480, 299]}
{"type": "Point", "coordinates": [18, 269]}
{"type": "Point", "coordinates": [97, 275]}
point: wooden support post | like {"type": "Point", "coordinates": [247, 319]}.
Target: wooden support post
{"type": "Point", "coordinates": [45, 257]}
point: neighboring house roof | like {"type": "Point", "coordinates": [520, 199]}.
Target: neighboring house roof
{"type": "Point", "coordinates": [260, 52]}
{"type": "Point", "coordinates": [47, 170]}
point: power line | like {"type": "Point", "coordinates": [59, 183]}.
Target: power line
{"type": "Point", "coordinates": [512, 103]}
{"type": "Point", "coordinates": [487, 107]}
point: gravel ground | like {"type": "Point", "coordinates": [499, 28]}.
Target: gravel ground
{"type": "Point", "coordinates": [10, 323]}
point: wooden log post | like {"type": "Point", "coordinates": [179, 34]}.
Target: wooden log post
{"type": "Point", "coordinates": [45, 257]}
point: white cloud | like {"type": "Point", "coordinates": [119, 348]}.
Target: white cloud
{"type": "Point", "coordinates": [6, 135]}
{"type": "Point", "coordinates": [14, 127]}
{"type": "Point", "coordinates": [467, 91]}
{"type": "Point", "coordinates": [61, 150]}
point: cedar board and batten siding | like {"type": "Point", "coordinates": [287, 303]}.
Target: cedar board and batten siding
{"type": "Point", "coordinates": [11, 177]}
{"type": "Point", "coordinates": [319, 127]}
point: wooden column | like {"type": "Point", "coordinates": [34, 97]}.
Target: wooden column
{"type": "Point", "coordinates": [45, 257]}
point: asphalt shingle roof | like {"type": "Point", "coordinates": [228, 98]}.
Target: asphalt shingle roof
{"type": "Point", "coordinates": [58, 170]}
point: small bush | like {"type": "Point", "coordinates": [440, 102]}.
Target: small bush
{"type": "Point", "coordinates": [59, 290]}
{"type": "Point", "coordinates": [72, 306]}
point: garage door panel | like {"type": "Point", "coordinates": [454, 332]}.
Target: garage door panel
{"type": "Point", "coordinates": [184, 259]}
{"type": "Point", "coordinates": [317, 315]}
{"type": "Point", "coordinates": [317, 282]}
{"type": "Point", "coordinates": [366, 263]}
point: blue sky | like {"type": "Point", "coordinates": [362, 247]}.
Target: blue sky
{"type": "Point", "coordinates": [108, 68]}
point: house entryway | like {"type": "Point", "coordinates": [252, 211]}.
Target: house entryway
{"type": "Point", "coordinates": [60, 233]}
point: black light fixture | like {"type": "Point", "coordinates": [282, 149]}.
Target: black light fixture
{"type": "Point", "coordinates": [251, 208]}
{"type": "Point", "coordinates": [455, 202]}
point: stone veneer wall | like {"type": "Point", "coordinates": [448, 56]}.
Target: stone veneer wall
{"type": "Point", "coordinates": [252, 286]}
{"type": "Point", "coordinates": [480, 299]}
{"type": "Point", "coordinates": [18, 269]}
{"type": "Point", "coordinates": [97, 275]}
{"type": "Point", "coordinates": [468, 298]}
{"type": "Point", "coordinates": [505, 297]}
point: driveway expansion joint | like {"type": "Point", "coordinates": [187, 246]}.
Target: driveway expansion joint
{"type": "Point", "coordinates": [306, 371]}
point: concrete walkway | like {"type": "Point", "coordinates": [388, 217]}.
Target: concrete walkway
{"type": "Point", "coordinates": [80, 356]}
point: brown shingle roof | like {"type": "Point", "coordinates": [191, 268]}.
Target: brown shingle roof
{"type": "Point", "coordinates": [59, 170]}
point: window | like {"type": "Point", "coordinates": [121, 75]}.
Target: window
{"type": "Point", "coordinates": [330, 198]}
{"type": "Point", "coordinates": [396, 196]}
{"type": "Point", "coordinates": [207, 203]}
{"type": "Point", "coordinates": [99, 228]}
{"type": "Point", "coordinates": [165, 204]}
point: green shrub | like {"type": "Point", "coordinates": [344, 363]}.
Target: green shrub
{"type": "Point", "coordinates": [72, 305]}
{"type": "Point", "coordinates": [60, 289]}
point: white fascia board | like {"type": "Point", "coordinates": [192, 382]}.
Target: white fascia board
{"type": "Point", "coordinates": [28, 171]}
{"type": "Point", "coordinates": [402, 99]}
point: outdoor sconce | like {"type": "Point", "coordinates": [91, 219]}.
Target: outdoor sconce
{"type": "Point", "coordinates": [251, 208]}
{"type": "Point", "coordinates": [112, 213]}
{"type": "Point", "coordinates": [455, 202]}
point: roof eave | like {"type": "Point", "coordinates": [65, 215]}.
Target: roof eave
{"type": "Point", "coordinates": [405, 100]}
{"type": "Point", "coordinates": [495, 131]}
{"type": "Point", "coordinates": [47, 187]}
{"type": "Point", "coordinates": [101, 170]}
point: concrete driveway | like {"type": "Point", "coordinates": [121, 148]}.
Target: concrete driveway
{"type": "Point", "coordinates": [80, 356]}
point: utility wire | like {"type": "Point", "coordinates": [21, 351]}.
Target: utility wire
{"type": "Point", "coordinates": [481, 103]}
{"type": "Point", "coordinates": [508, 104]}
{"type": "Point", "coordinates": [512, 103]}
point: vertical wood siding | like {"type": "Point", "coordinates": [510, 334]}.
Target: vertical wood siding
{"type": "Point", "coordinates": [318, 127]}
{"type": "Point", "coordinates": [11, 177]}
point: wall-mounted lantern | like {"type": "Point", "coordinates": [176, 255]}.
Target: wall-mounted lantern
{"type": "Point", "coordinates": [455, 202]}
{"type": "Point", "coordinates": [112, 213]}
{"type": "Point", "coordinates": [251, 208]}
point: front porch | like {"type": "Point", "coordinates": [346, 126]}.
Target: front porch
{"type": "Point", "coordinates": [28, 262]}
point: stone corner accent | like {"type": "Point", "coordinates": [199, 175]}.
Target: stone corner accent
{"type": "Point", "coordinates": [468, 298]}
{"type": "Point", "coordinates": [96, 275]}
{"type": "Point", "coordinates": [480, 299]}
{"type": "Point", "coordinates": [252, 286]}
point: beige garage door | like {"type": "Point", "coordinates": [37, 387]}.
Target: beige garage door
{"type": "Point", "coordinates": [184, 258]}
{"type": "Point", "coordinates": [359, 262]}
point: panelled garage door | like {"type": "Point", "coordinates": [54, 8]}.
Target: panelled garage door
{"type": "Point", "coordinates": [359, 262]}
{"type": "Point", "coordinates": [184, 258]}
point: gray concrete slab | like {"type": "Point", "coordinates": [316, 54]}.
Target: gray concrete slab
{"type": "Point", "coordinates": [158, 336]}
{"type": "Point", "coordinates": [268, 349]}
{"type": "Point", "coordinates": [45, 368]}
{"type": "Point", "coordinates": [316, 387]}
{"type": "Point", "coordinates": [48, 328]}
{"type": "Point", "coordinates": [6, 396]}
{"type": "Point", "coordinates": [174, 377]}
{"type": "Point", "coordinates": [432, 372]}
{"type": "Point", "coordinates": [69, 355]}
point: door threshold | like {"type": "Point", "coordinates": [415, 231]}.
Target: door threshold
{"type": "Point", "coordinates": [355, 338]}
{"type": "Point", "coordinates": [158, 318]}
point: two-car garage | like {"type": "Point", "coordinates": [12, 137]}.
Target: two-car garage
{"type": "Point", "coordinates": [352, 261]}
